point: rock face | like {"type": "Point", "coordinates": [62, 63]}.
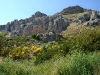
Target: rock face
{"type": "Point", "coordinates": [36, 24]}
{"type": "Point", "coordinates": [94, 19]}
{"type": "Point", "coordinates": [51, 37]}
{"type": "Point", "coordinates": [2, 27]}
{"type": "Point", "coordinates": [41, 23]}
{"type": "Point", "coordinates": [93, 15]}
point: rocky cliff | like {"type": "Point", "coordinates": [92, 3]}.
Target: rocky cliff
{"type": "Point", "coordinates": [41, 23]}
{"type": "Point", "coordinates": [2, 27]}
{"type": "Point", "coordinates": [38, 23]}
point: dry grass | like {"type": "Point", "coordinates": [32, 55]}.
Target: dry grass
{"type": "Point", "coordinates": [71, 29]}
{"type": "Point", "coordinates": [74, 16]}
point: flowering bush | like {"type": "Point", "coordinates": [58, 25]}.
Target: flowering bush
{"type": "Point", "coordinates": [24, 52]}
{"type": "Point", "coordinates": [48, 52]}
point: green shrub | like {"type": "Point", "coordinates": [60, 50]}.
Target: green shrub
{"type": "Point", "coordinates": [75, 63]}
{"type": "Point", "coordinates": [34, 36]}
{"type": "Point", "coordinates": [64, 46]}
{"type": "Point", "coordinates": [3, 33]}
{"type": "Point", "coordinates": [88, 40]}
{"type": "Point", "coordinates": [45, 55]}
{"type": "Point", "coordinates": [80, 64]}
{"type": "Point", "coordinates": [12, 68]}
{"type": "Point", "coordinates": [2, 44]}
{"type": "Point", "coordinates": [42, 58]}
{"type": "Point", "coordinates": [49, 51]}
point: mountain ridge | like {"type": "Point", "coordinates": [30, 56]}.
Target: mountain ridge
{"type": "Point", "coordinates": [40, 23]}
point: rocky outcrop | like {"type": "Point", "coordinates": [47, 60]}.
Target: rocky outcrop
{"type": "Point", "coordinates": [2, 27]}
{"type": "Point", "coordinates": [93, 15]}
{"type": "Point", "coordinates": [41, 23]}
{"type": "Point", "coordinates": [51, 37]}
{"type": "Point", "coordinates": [94, 19]}
{"type": "Point", "coordinates": [39, 14]}
{"type": "Point", "coordinates": [72, 10]}
{"type": "Point", "coordinates": [37, 24]}
{"type": "Point", "coordinates": [93, 23]}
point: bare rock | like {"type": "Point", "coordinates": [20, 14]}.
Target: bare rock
{"type": "Point", "coordinates": [72, 10]}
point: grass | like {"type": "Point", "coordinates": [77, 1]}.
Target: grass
{"type": "Point", "coordinates": [80, 64]}
{"type": "Point", "coordinates": [75, 63]}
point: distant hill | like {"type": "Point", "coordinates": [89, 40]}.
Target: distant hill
{"type": "Point", "coordinates": [40, 23]}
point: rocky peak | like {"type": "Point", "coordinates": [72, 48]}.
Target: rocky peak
{"type": "Point", "coordinates": [39, 14]}
{"type": "Point", "coordinates": [72, 10]}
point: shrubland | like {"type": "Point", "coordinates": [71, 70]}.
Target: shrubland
{"type": "Point", "coordinates": [76, 54]}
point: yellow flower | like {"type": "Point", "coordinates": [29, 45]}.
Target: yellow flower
{"type": "Point", "coordinates": [25, 48]}
{"type": "Point", "coordinates": [10, 56]}
{"type": "Point", "coordinates": [37, 50]}
{"type": "Point", "coordinates": [22, 52]}
{"type": "Point", "coordinates": [33, 47]}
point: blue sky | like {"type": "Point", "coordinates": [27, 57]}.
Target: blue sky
{"type": "Point", "coordinates": [21, 9]}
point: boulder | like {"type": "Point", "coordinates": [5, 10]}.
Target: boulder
{"type": "Point", "coordinates": [50, 36]}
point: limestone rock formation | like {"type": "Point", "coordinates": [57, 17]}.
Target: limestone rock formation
{"type": "Point", "coordinates": [93, 15]}
{"type": "Point", "coordinates": [36, 24]}
{"type": "Point", "coordinates": [2, 27]}
{"type": "Point", "coordinates": [50, 36]}
{"type": "Point", "coordinates": [40, 23]}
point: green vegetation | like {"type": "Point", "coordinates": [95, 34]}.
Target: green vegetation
{"type": "Point", "coordinates": [75, 63]}
{"type": "Point", "coordinates": [49, 51]}
{"type": "Point", "coordinates": [76, 54]}
{"type": "Point", "coordinates": [3, 33]}
{"type": "Point", "coordinates": [81, 64]}
{"type": "Point", "coordinates": [34, 36]}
